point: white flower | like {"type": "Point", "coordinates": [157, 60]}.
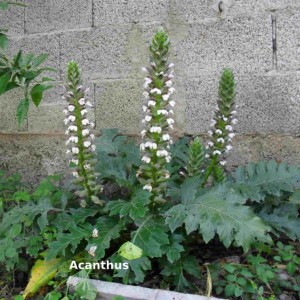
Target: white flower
{"type": "Point", "coordinates": [234, 121]}
{"type": "Point", "coordinates": [144, 70]}
{"type": "Point", "coordinates": [167, 175]}
{"type": "Point", "coordinates": [81, 101]}
{"type": "Point", "coordinates": [66, 121]}
{"type": "Point", "coordinates": [88, 103]}
{"type": "Point", "coordinates": [83, 112]}
{"type": "Point", "coordinates": [75, 161]}
{"type": "Point", "coordinates": [228, 127]}
{"type": "Point", "coordinates": [92, 250]}
{"type": "Point", "coordinates": [148, 118]}
{"type": "Point", "coordinates": [231, 135]}
{"type": "Point", "coordinates": [142, 147]}
{"type": "Point", "coordinates": [162, 112]}
{"type": "Point", "coordinates": [170, 76]}
{"type": "Point", "coordinates": [72, 118]}
{"type": "Point", "coordinates": [170, 121]}
{"type": "Point", "coordinates": [72, 128]}
{"type": "Point", "coordinates": [155, 129]}
{"type": "Point", "coordinates": [171, 90]}
{"type": "Point", "coordinates": [150, 145]}
{"type": "Point", "coordinates": [168, 159]}
{"type": "Point", "coordinates": [225, 119]}
{"type": "Point", "coordinates": [168, 83]}
{"type": "Point", "coordinates": [68, 151]}
{"type": "Point", "coordinates": [210, 144]}
{"type": "Point", "coordinates": [221, 140]}
{"type": "Point", "coordinates": [166, 97]}
{"type": "Point", "coordinates": [162, 153]}
{"type": "Point", "coordinates": [166, 137]}
{"type": "Point", "coordinates": [156, 90]}
{"type": "Point", "coordinates": [87, 144]}
{"type": "Point", "coordinates": [85, 132]}
{"type": "Point", "coordinates": [148, 187]}
{"type": "Point", "coordinates": [148, 80]}
{"type": "Point", "coordinates": [218, 131]}
{"type": "Point", "coordinates": [228, 147]}
{"type": "Point", "coordinates": [145, 108]}
{"type": "Point", "coordinates": [67, 132]}
{"type": "Point", "coordinates": [171, 111]}
{"type": "Point", "coordinates": [151, 103]}
{"type": "Point", "coordinates": [87, 166]}
{"type": "Point", "coordinates": [143, 133]}
{"type": "Point", "coordinates": [92, 137]}
{"type": "Point", "coordinates": [171, 65]}
{"type": "Point", "coordinates": [70, 94]}
{"type": "Point", "coordinates": [75, 174]}
{"type": "Point", "coordinates": [223, 163]}
{"type": "Point", "coordinates": [93, 148]}
{"type": "Point", "coordinates": [207, 156]}
{"type": "Point", "coordinates": [65, 112]}
{"type": "Point", "coordinates": [95, 233]}
{"type": "Point", "coordinates": [75, 150]}
{"type": "Point", "coordinates": [85, 122]}
{"type": "Point", "coordinates": [213, 123]}
{"type": "Point", "coordinates": [146, 95]}
{"type": "Point", "coordinates": [71, 107]}
{"type": "Point", "coordinates": [234, 112]}
{"type": "Point", "coordinates": [210, 133]}
{"type": "Point", "coordinates": [92, 125]}
{"type": "Point", "coordinates": [146, 159]}
{"type": "Point", "coordinates": [217, 152]}
{"type": "Point", "coordinates": [172, 103]}
{"type": "Point", "coordinates": [152, 64]}
{"type": "Point", "coordinates": [73, 139]}
{"type": "Point", "coordinates": [67, 142]}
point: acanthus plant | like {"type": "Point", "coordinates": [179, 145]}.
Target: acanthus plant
{"type": "Point", "coordinates": [221, 133]}
{"type": "Point", "coordinates": [158, 119]}
{"type": "Point", "coordinates": [80, 137]}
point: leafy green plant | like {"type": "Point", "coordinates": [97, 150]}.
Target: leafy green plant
{"type": "Point", "coordinates": [22, 71]}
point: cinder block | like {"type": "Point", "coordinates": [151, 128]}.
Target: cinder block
{"type": "Point", "coordinates": [288, 37]}
{"type": "Point", "coordinates": [8, 108]}
{"type": "Point", "coordinates": [108, 51]}
{"type": "Point", "coordinates": [38, 44]}
{"type": "Point", "coordinates": [34, 156]}
{"type": "Point", "coordinates": [13, 19]}
{"type": "Point", "coordinates": [56, 15]}
{"type": "Point", "coordinates": [244, 44]}
{"type": "Point", "coordinates": [267, 103]}
{"type": "Point", "coordinates": [46, 118]}
{"type": "Point", "coordinates": [118, 105]}
{"type": "Point", "coordinates": [129, 11]}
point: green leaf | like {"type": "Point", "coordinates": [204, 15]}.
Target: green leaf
{"type": "Point", "coordinates": [212, 213]}
{"type": "Point", "coordinates": [3, 5]}
{"type": "Point", "coordinates": [137, 207]}
{"type": "Point", "coordinates": [39, 60]}
{"type": "Point", "coordinates": [37, 93]}
{"type": "Point", "coordinates": [174, 249]}
{"type": "Point", "coordinates": [4, 80]}
{"type": "Point", "coordinates": [108, 230]}
{"type": "Point", "coordinates": [86, 290]}
{"type": "Point", "coordinates": [187, 265]}
{"type": "Point", "coordinates": [3, 41]}
{"type": "Point", "coordinates": [150, 236]}
{"type": "Point", "coordinates": [22, 110]}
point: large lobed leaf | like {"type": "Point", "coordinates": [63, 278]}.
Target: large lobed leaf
{"type": "Point", "coordinates": [216, 213]}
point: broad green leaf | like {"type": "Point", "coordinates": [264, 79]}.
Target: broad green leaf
{"type": "Point", "coordinates": [4, 80]}
{"type": "Point", "coordinates": [42, 272]}
{"type": "Point", "coordinates": [108, 230]}
{"type": "Point", "coordinates": [212, 214]}
{"type": "Point", "coordinates": [150, 236]}
{"type": "Point", "coordinates": [3, 41]}
{"type": "Point", "coordinates": [186, 265]}
{"type": "Point", "coordinates": [130, 251]}
{"type": "Point", "coordinates": [86, 290]}
{"type": "Point", "coordinates": [39, 60]}
{"type": "Point", "coordinates": [174, 249]}
{"type": "Point", "coordinates": [22, 110]}
{"type": "Point", "coordinates": [37, 93]}
{"type": "Point", "coordinates": [135, 208]}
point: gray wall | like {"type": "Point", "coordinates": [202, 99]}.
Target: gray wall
{"type": "Point", "coordinates": [258, 39]}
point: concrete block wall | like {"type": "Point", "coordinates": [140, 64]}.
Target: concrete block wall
{"type": "Point", "coordinates": [258, 39]}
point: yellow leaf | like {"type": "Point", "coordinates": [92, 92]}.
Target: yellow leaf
{"type": "Point", "coordinates": [130, 251]}
{"type": "Point", "coordinates": [41, 273]}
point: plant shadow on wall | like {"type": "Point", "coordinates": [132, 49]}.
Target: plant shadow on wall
{"type": "Point", "coordinates": [22, 72]}
{"type": "Point", "coordinates": [166, 211]}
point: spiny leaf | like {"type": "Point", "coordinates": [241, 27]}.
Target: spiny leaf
{"type": "Point", "coordinates": [196, 156]}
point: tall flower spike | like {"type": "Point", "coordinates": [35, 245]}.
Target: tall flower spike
{"type": "Point", "coordinates": [158, 119]}
{"type": "Point", "coordinates": [221, 132]}
{"type": "Point", "coordinates": [80, 138]}
{"type": "Point", "coordinates": [196, 156]}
